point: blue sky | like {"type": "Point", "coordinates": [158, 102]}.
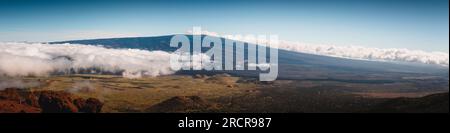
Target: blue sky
{"type": "Point", "coordinates": [412, 24]}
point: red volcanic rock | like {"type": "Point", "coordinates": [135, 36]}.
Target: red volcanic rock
{"type": "Point", "coordinates": [20, 96]}
{"type": "Point", "coordinates": [12, 102]}
{"type": "Point", "coordinates": [56, 102]}
{"type": "Point", "coordinates": [62, 102]}
{"type": "Point", "coordinates": [91, 105]}
{"type": "Point", "coordinates": [7, 106]}
{"type": "Point", "coordinates": [31, 99]}
{"type": "Point", "coordinates": [15, 100]}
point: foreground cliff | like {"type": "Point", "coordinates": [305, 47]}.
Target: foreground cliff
{"type": "Point", "coordinates": [23, 101]}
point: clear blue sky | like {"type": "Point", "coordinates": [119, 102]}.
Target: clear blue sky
{"type": "Point", "coordinates": [412, 24]}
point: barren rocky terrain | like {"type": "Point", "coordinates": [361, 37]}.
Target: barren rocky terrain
{"type": "Point", "coordinates": [85, 93]}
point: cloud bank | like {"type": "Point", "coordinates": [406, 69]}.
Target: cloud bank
{"type": "Point", "coordinates": [365, 53]}
{"type": "Point", "coordinates": [37, 59]}
{"type": "Point", "coordinates": [359, 52]}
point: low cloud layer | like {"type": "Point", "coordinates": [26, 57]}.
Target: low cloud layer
{"type": "Point", "coordinates": [37, 59]}
{"type": "Point", "coordinates": [26, 59]}
{"type": "Point", "coordinates": [365, 53]}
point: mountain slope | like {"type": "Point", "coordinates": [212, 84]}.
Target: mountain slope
{"type": "Point", "coordinates": [292, 65]}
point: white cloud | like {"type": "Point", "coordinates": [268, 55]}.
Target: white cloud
{"type": "Point", "coordinates": [353, 52]}
{"type": "Point", "coordinates": [25, 59]}
{"type": "Point", "coordinates": [366, 53]}
{"type": "Point", "coordinates": [359, 52]}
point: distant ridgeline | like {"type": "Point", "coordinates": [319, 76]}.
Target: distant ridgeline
{"type": "Point", "coordinates": [292, 65]}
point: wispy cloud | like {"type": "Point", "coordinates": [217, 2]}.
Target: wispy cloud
{"type": "Point", "coordinates": [24, 59]}
{"type": "Point", "coordinates": [15, 36]}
